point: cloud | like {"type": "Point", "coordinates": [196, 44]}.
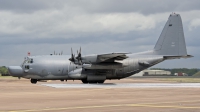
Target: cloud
{"type": "Point", "coordinates": [51, 23]}
{"type": "Point", "coordinates": [194, 24]}
{"type": "Point", "coordinates": [27, 7]}
{"type": "Point", "coordinates": [101, 6]}
{"type": "Point", "coordinates": [127, 6]}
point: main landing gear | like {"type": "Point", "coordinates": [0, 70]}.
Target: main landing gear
{"type": "Point", "coordinates": [33, 81]}
{"type": "Point", "coordinates": [62, 80]}
{"type": "Point", "coordinates": [85, 81]}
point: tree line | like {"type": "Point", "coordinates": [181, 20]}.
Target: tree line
{"type": "Point", "coordinates": [3, 71]}
{"type": "Point", "coordinates": [188, 71]}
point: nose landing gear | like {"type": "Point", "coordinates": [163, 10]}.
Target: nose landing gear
{"type": "Point", "coordinates": [33, 81]}
{"type": "Point", "coordinates": [62, 80]}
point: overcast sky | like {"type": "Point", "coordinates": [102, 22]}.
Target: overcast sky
{"type": "Point", "coordinates": [98, 26]}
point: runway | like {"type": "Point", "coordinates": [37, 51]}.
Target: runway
{"type": "Point", "coordinates": [126, 85]}
{"type": "Point", "coordinates": [129, 95]}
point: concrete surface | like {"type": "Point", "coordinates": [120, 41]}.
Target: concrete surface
{"type": "Point", "coordinates": [127, 85]}
{"type": "Point", "coordinates": [21, 96]}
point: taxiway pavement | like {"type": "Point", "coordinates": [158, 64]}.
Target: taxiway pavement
{"type": "Point", "coordinates": [127, 85]}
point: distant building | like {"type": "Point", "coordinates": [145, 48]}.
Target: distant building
{"type": "Point", "coordinates": [180, 74]}
{"type": "Point", "coordinates": [153, 73]}
{"type": "Point", "coordinates": [156, 72]}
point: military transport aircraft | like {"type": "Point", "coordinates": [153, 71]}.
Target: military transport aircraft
{"type": "Point", "coordinates": [100, 67]}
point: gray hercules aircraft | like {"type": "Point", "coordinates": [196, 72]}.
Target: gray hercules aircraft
{"type": "Point", "coordinates": [99, 67]}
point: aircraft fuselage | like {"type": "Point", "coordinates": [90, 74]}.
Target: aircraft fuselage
{"type": "Point", "coordinates": [58, 67]}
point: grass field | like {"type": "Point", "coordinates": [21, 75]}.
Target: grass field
{"type": "Point", "coordinates": [7, 77]}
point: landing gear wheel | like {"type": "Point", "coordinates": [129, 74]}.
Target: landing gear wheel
{"type": "Point", "coordinates": [62, 80]}
{"type": "Point", "coordinates": [101, 81]}
{"type": "Point", "coordinates": [84, 81]}
{"type": "Point", "coordinates": [34, 81]}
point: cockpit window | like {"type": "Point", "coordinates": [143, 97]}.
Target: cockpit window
{"type": "Point", "coordinates": [26, 67]}
{"type": "Point", "coordinates": [31, 60]}
{"type": "Point", "coordinates": [27, 60]}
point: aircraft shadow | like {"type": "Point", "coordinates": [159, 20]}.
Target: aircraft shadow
{"type": "Point", "coordinates": [104, 84]}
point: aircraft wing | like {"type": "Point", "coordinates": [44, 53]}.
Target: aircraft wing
{"type": "Point", "coordinates": [104, 61]}
{"type": "Point", "coordinates": [111, 57]}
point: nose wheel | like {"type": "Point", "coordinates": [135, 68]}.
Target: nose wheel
{"type": "Point", "coordinates": [62, 80]}
{"type": "Point", "coordinates": [33, 81]}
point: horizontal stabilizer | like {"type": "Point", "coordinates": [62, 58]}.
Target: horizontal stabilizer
{"type": "Point", "coordinates": [177, 57]}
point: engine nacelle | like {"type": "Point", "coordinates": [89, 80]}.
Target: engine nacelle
{"type": "Point", "coordinates": [89, 59]}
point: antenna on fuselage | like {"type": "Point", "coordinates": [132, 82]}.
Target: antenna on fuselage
{"type": "Point", "coordinates": [29, 53]}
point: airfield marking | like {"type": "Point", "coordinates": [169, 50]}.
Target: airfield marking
{"type": "Point", "coordinates": [151, 105]}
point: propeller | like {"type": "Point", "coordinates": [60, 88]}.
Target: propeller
{"type": "Point", "coordinates": [72, 59]}
{"type": "Point", "coordinates": [77, 59]}
{"type": "Point", "coordinates": [79, 56]}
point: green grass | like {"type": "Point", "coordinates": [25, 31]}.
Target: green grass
{"type": "Point", "coordinates": [182, 80]}
{"type": "Point", "coordinates": [197, 74]}
{"type": "Point", "coordinates": [6, 77]}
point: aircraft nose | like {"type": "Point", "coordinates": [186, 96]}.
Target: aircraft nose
{"type": "Point", "coordinates": [15, 71]}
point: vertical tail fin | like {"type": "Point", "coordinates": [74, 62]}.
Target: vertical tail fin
{"type": "Point", "coordinates": [171, 40]}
